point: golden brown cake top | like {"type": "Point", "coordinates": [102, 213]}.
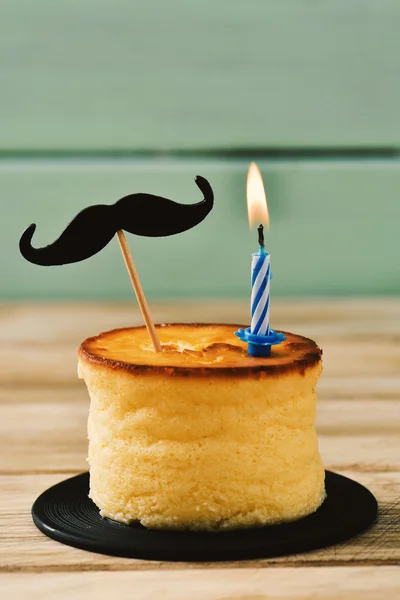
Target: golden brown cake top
{"type": "Point", "coordinates": [195, 349]}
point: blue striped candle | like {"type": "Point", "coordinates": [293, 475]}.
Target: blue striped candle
{"type": "Point", "coordinates": [259, 336]}
{"type": "Point", "coordinates": [260, 292]}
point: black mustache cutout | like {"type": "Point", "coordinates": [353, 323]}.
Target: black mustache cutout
{"type": "Point", "coordinates": [93, 228]}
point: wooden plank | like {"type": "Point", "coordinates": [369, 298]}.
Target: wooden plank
{"type": "Point", "coordinates": [46, 365]}
{"type": "Point", "coordinates": [327, 235]}
{"type": "Point", "coordinates": [23, 548]}
{"type": "Point", "coordinates": [45, 338]}
{"type": "Point", "coordinates": [253, 584]}
{"type": "Point", "coordinates": [329, 387]}
{"type": "Point", "coordinates": [365, 358]}
{"type": "Point", "coordinates": [159, 76]}
{"type": "Point", "coordinates": [350, 435]}
{"type": "Point", "coordinates": [365, 387]}
{"type": "Point", "coordinates": [326, 395]}
{"type": "Point", "coordinates": [337, 319]}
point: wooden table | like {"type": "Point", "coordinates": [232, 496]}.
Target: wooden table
{"type": "Point", "coordinates": [43, 411]}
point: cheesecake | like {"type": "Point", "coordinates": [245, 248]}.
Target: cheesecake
{"type": "Point", "coordinates": [201, 436]}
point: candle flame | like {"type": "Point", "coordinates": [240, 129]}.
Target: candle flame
{"type": "Point", "coordinates": [256, 199]}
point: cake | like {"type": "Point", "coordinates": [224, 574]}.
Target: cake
{"type": "Point", "coordinates": [201, 436]}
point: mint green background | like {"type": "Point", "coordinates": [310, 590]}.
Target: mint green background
{"type": "Point", "coordinates": [334, 228]}
{"type": "Point", "coordinates": [180, 74]}
{"type": "Point", "coordinates": [183, 88]}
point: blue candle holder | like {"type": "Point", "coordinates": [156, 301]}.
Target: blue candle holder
{"type": "Point", "coordinates": [260, 345]}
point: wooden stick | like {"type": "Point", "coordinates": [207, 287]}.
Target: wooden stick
{"type": "Point", "coordinates": [141, 298]}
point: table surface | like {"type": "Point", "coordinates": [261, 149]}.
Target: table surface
{"type": "Point", "coordinates": [43, 411]}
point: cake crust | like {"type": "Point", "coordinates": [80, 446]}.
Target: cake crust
{"type": "Point", "coordinates": [129, 350]}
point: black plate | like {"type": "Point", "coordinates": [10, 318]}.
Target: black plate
{"type": "Point", "coordinates": [65, 513]}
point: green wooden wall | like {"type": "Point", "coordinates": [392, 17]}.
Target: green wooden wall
{"type": "Point", "coordinates": [99, 99]}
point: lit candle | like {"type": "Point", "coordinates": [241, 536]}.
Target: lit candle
{"type": "Point", "coordinates": [260, 337]}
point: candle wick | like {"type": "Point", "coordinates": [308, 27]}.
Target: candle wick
{"type": "Point", "coordinates": [260, 230]}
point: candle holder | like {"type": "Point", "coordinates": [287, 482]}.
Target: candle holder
{"type": "Point", "coordinates": [260, 345]}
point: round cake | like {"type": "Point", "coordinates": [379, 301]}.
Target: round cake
{"type": "Point", "coordinates": [201, 436]}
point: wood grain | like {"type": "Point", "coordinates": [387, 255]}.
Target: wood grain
{"type": "Point", "coordinates": [45, 338]}
{"type": "Point", "coordinates": [43, 412]}
{"type": "Point", "coordinates": [341, 583]}
{"type": "Point", "coordinates": [23, 548]}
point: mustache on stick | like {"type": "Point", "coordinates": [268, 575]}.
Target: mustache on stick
{"type": "Point", "coordinates": [94, 227]}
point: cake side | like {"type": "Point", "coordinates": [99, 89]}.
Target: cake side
{"type": "Point", "coordinates": [210, 453]}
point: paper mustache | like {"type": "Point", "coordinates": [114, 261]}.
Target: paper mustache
{"type": "Point", "coordinates": [93, 228]}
